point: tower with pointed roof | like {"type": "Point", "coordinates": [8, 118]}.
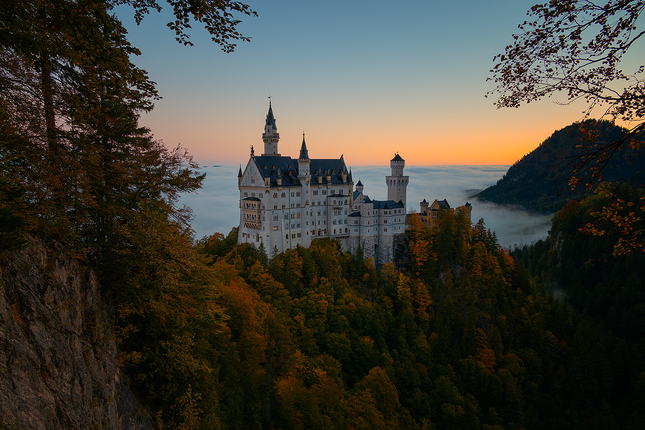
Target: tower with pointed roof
{"type": "Point", "coordinates": [270, 135]}
{"type": "Point", "coordinates": [287, 202]}
{"type": "Point", "coordinates": [303, 160]}
{"type": "Point", "coordinates": [397, 184]}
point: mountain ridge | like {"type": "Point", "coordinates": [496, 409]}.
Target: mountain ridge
{"type": "Point", "coordinates": [539, 181]}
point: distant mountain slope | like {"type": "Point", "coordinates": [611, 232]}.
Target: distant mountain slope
{"type": "Point", "coordinates": [539, 180]}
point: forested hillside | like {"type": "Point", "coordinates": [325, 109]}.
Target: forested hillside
{"type": "Point", "coordinates": [212, 335]}
{"type": "Point", "coordinates": [317, 338]}
{"type": "Point", "coordinates": [556, 171]}
{"type": "Point", "coordinates": [595, 272]}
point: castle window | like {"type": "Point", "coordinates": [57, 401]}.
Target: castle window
{"type": "Point", "coordinates": [286, 216]}
{"type": "Point", "coordinates": [298, 194]}
{"type": "Point", "coordinates": [283, 195]}
{"type": "Point", "coordinates": [334, 231]}
{"type": "Point", "coordinates": [299, 234]}
{"type": "Point", "coordinates": [286, 236]}
{"type": "Point", "coordinates": [293, 235]}
{"type": "Point", "coordinates": [292, 194]}
{"type": "Point", "coordinates": [275, 195]}
{"type": "Point", "coordinates": [315, 192]}
{"type": "Point", "coordinates": [261, 195]}
{"type": "Point", "coordinates": [275, 206]}
{"type": "Point", "coordinates": [252, 194]}
{"type": "Point", "coordinates": [275, 217]}
{"type": "Point", "coordinates": [324, 192]}
{"type": "Point", "coordinates": [246, 194]}
{"type": "Point", "coordinates": [282, 205]}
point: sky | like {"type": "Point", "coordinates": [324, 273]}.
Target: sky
{"type": "Point", "coordinates": [365, 79]}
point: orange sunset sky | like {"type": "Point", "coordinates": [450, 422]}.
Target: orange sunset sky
{"type": "Point", "coordinates": [362, 79]}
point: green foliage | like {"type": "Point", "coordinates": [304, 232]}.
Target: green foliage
{"type": "Point", "coordinates": [561, 169]}
{"type": "Point", "coordinates": [465, 339]}
{"type": "Point", "coordinates": [597, 280]}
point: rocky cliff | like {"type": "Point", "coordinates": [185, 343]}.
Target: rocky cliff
{"type": "Point", "coordinates": [58, 356]}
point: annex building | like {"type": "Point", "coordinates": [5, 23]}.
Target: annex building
{"type": "Point", "coordinates": [287, 202]}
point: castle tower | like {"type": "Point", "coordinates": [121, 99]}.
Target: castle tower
{"type": "Point", "coordinates": [303, 160]}
{"type": "Point", "coordinates": [397, 183]}
{"type": "Point", "coordinates": [424, 207]}
{"type": "Point", "coordinates": [270, 135]}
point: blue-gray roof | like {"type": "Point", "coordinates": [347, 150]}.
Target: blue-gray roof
{"type": "Point", "coordinates": [273, 166]}
{"type": "Point", "coordinates": [304, 153]}
{"type": "Point", "coordinates": [270, 118]}
{"type": "Point", "coordinates": [444, 203]}
{"type": "Point", "coordinates": [327, 166]}
{"type": "Point", "coordinates": [387, 204]}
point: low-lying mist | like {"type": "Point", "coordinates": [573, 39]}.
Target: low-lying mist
{"type": "Point", "coordinates": [216, 205]}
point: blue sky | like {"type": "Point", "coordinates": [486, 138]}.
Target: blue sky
{"type": "Point", "coordinates": [363, 79]}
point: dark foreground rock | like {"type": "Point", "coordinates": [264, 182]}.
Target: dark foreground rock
{"type": "Point", "coordinates": [58, 356]}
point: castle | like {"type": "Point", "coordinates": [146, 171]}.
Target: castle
{"type": "Point", "coordinates": [285, 203]}
{"type": "Point", "coordinates": [429, 212]}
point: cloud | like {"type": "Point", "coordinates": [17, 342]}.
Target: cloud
{"type": "Point", "coordinates": [216, 206]}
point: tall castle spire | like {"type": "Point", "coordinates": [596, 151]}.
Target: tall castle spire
{"type": "Point", "coordinates": [304, 162]}
{"type": "Point", "coordinates": [304, 153]}
{"type": "Point", "coordinates": [270, 135]}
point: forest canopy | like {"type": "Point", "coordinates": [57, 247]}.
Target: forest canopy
{"type": "Point", "coordinates": [459, 335]}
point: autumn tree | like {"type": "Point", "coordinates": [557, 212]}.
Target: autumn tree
{"type": "Point", "coordinates": [573, 49]}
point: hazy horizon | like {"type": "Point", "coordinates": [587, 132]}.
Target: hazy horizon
{"type": "Point", "coordinates": [216, 205]}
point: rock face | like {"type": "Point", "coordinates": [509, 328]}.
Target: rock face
{"type": "Point", "coordinates": [58, 356]}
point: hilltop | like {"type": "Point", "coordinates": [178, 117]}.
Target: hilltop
{"type": "Point", "coordinates": [539, 181]}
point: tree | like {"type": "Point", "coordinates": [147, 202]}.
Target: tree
{"type": "Point", "coordinates": [574, 48]}
{"type": "Point", "coordinates": [215, 15]}
{"type": "Point", "coordinates": [73, 157]}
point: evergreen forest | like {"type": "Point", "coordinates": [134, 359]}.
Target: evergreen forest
{"type": "Point", "coordinates": [458, 334]}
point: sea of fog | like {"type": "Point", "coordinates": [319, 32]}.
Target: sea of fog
{"type": "Point", "coordinates": [216, 205]}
